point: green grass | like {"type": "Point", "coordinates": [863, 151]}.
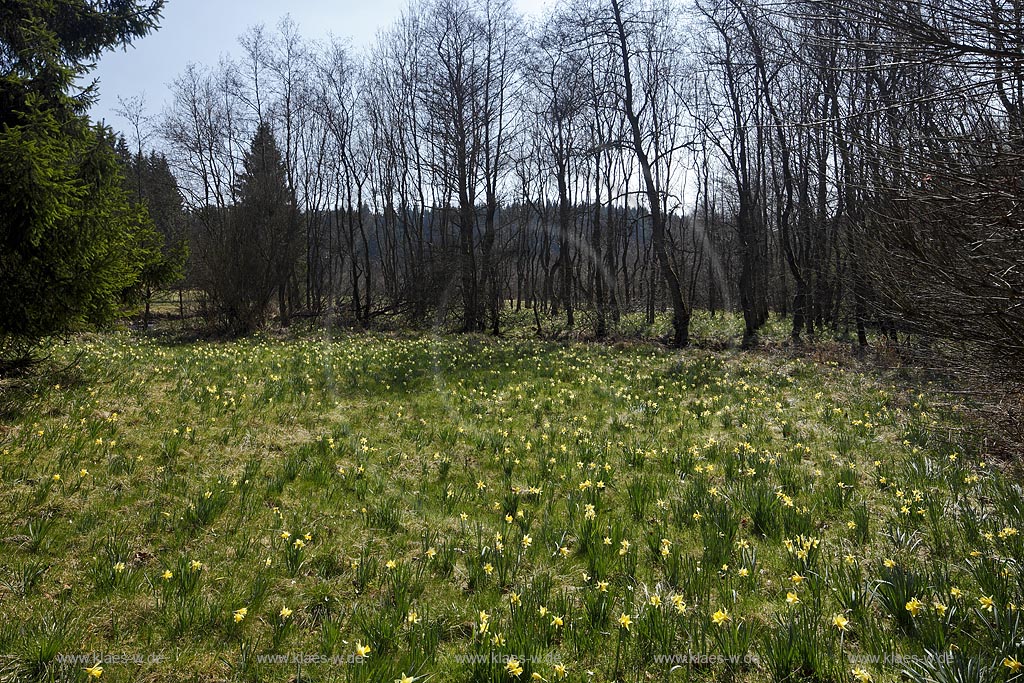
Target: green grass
{"type": "Point", "coordinates": [433, 499]}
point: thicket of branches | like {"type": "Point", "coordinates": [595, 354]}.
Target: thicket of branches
{"type": "Point", "coordinates": [851, 164]}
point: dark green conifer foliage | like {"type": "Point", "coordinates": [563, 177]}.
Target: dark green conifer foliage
{"type": "Point", "coordinates": [71, 241]}
{"type": "Point", "coordinates": [249, 260]}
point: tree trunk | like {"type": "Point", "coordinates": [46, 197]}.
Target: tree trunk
{"type": "Point", "coordinates": [680, 312]}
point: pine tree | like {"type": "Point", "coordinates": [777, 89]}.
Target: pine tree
{"type": "Point", "coordinates": [71, 242]}
{"type": "Point", "coordinates": [253, 257]}
{"type": "Point", "coordinates": [150, 183]}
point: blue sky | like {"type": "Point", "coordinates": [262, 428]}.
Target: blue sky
{"type": "Point", "coordinates": [201, 31]}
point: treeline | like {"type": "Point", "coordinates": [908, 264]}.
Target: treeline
{"type": "Point", "coordinates": [850, 164]}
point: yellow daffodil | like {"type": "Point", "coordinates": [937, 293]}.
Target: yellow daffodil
{"type": "Point", "coordinates": [721, 617]}
{"type": "Point", "coordinates": [514, 668]}
{"type": "Point", "coordinates": [94, 671]}
{"type": "Point", "coordinates": [239, 614]}
{"type": "Point", "coordinates": [625, 621]}
{"type": "Point", "coordinates": [862, 675]}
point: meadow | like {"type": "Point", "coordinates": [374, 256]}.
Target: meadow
{"type": "Point", "coordinates": [398, 507]}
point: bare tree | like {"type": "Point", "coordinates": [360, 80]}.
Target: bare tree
{"type": "Point", "coordinates": [635, 103]}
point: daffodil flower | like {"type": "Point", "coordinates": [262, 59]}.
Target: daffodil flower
{"type": "Point", "coordinates": [514, 667]}
{"type": "Point", "coordinates": [862, 675]}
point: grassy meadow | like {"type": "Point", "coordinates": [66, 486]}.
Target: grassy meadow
{"type": "Point", "coordinates": [380, 508]}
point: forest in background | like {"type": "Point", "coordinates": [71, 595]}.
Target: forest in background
{"type": "Point", "coordinates": [852, 166]}
{"type": "Point", "coordinates": [849, 164]}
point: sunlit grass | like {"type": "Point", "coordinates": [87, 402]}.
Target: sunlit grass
{"type": "Point", "coordinates": [569, 511]}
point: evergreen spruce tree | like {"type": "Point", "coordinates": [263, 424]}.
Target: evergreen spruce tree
{"type": "Point", "coordinates": [150, 183]}
{"type": "Point", "coordinates": [71, 242]}
{"type": "Point", "coordinates": [254, 255]}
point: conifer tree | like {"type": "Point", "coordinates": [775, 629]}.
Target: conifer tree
{"type": "Point", "coordinates": [252, 258]}
{"type": "Point", "coordinates": [71, 242]}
